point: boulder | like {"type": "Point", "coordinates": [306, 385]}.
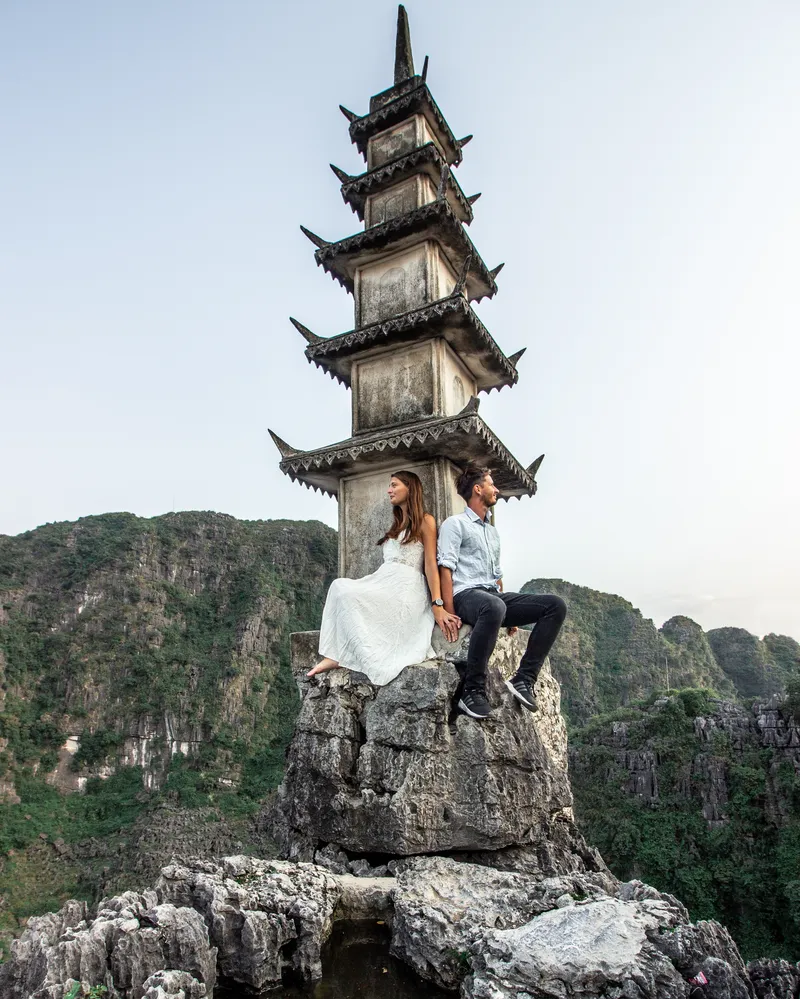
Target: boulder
{"type": "Point", "coordinates": [129, 938]}
{"type": "Point", "coordinates": [442, 907]}
{"type": "Point", "coordinates": [396, 771]}
{"type": "Point", "coordinates": [177, 984]}
{"type": "Point", "coordinates": [499, 935]}
{"type": "Point", "coordinates": [774, 979]}
{"type": "Point", "coordinates": [263, 916]}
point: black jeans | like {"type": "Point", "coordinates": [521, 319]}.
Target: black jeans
{"type": "Point", "coordinates": [488, 611]}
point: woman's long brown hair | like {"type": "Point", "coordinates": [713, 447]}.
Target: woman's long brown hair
{"type": "Point", "coordinates": [415, 509]}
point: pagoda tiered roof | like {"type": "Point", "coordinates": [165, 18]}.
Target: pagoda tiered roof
{"type": "Point", "coordinates": [461, 438]}
{"type": "Point", "coordinates": [435, 221]}
{"type": "Point", "coordinates": [386, 110]}
{"type": "Point", "coordinates": [451, 318]}
{"type": "Point", "coordinates": [423, 160]}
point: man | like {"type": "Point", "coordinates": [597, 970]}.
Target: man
{"type": "Point", "coordinates": [472, 588]}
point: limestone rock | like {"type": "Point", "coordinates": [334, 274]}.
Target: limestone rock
{"type": "Point", "coordinates": [263, 916]}
{"type": "Point", "coordinates": [394, 770]}
{"type": "Point", "coordinates": [499, 935]}
{"type": "Point", "coordinates": [177, 984]}
{"type": "Point", "coordinates": [774, 979]}
{"type": "Point", "coordinates": [130, 937]}
{"type": "Point", "coordinates": [441, 908]}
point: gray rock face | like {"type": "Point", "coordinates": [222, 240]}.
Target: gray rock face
{"type": "Point", "coordinates": [490, 934]}
{"type": "Point", "coordinates": [392, 770]}
{"type": "Point", "coordinates": [501, 935]}
{"type": "Point", "coordinates": [263, 916]}
{"type": "Point", "coordinates": [177, 984]}
{"type": "Point", "coordinates": [774, 979]}
{"type": "Point", "coordinates": [130, 937]}
{"type": "Point", "coordinates": [442, 907]}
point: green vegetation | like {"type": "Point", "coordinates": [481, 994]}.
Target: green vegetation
{"type": "Point", "coordinates": [757, 668]}
{"type": "Point", "coordinates": [609, 655]}
{"type": "Point", "coordinates": [142, 636]}
{"type": "Point", "coordinates": [744, 871]}
{"type": "Point", "coordinates": [124, 633]}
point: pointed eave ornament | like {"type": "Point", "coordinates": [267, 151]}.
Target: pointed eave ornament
{"type": "Point", "coordinates": [403, 59]}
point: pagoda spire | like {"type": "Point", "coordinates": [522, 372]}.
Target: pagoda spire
{"type": "Point", "coordinates": [403, 59]}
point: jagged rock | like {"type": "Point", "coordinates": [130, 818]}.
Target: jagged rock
{"type": "Point", "coordinates": [774, 979]}
{"type": "Point", "coordinates": [130, 937]}
{"type": "Point", "coordinates": [442, 906]}
{"type": "Point", "coordinates": [393, 770]}
{"type": "Point", "coordinates": [501, 935]}
{"type": "Point", "coordinates": [177, 984]}
{"type": "Point", "coordinates": [263, 916]}
{"type": "Point", "coordinates": [333, 858]}
{"type": "Point", "coordinates": [365, 898]}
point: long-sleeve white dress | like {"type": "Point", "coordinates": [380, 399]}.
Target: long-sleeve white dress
{"type": "Point", "coordinates": [382, 622]}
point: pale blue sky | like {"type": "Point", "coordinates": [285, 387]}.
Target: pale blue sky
{"type": "Point", "coordinates": [639, 169]}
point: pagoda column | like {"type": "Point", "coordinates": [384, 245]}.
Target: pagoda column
{"type": "Point", "coordinates": [418, 355]}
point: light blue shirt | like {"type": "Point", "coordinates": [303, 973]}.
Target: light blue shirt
{"type": "Point", "coordinates": [470, 548]}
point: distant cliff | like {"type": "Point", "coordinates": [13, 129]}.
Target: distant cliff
{"type": "Point", "coordinates": [125, 641]}
{"type": "Point", "coordinates": [609, 655]}
{"type": "Point", "coordinates": [700, 797]}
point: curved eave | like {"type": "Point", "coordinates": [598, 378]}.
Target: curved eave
{"type": "Point", "coordinates": [457, 438]}
{"type": "Point", "coordinates": [450, 318]}
{"type": "Point", "coordinates": [426, 159]}
{"type": "Point", "coordinates": [418, 100]}
{"type": "Point", "coordinates": [434, 221]}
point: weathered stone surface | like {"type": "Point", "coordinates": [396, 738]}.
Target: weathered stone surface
{"type": "Point", "coordinates": [441, 908]}
{"type": "Point", "coordinates": [492, 934]}
{"type": "Point", "coordinates": [774, 979]}
{"type": "Point", "coordinates": [501, 935]}
{"type": "Point", "coordinates": [180, 984]}
{"type": "Point", "coordinates": [594, 949]}
{"type": "Point", "coordinates": [393, 770]}
{"type": "Point", "coordinates": [365, 898]}
{"type": "Point", "coordinates": [263, 916]}
{"type": "Point", "coordinates": [130, 937]}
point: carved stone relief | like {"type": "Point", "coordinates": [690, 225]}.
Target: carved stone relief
{"type": "Point", "coordinates": [394, 387]}
{"type": "Point", "coordinates": [393, 143]}
{"type": "Point", "coordinates": [391, 287]}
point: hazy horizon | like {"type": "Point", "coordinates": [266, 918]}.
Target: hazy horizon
{"type": "Point", "coordinates": [638, 167]}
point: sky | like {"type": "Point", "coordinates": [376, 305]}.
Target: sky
{"type": "Point", "coordinates": [639, 169]}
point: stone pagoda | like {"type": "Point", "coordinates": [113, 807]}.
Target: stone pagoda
{"type": "Point", "coordinates": [418, 355]}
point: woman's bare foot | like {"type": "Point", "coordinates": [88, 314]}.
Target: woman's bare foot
{"type": "Point", "coordinates": [323, 667]}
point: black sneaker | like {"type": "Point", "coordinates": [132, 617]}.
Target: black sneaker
{"type": "Point", "coordinates": [522, 689]}
{"type": "Point", "coordinates": [474, 704]}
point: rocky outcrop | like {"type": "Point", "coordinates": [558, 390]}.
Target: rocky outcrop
{"type": "Point", "coordinates": [396, 771]}
{"type": "Point", "coordinates": [774, 979]}
{"type": "Point", "coordinates": [486, 933]}
{"type": "Point", "coordinates": [120, 946]}
{"type": "Point", "coordinates": [262, 916]}
{"type": "Point", "coordinates": [498, 936]}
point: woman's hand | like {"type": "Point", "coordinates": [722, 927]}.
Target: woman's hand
{"type": "Point", "coordinates": [449, 623]}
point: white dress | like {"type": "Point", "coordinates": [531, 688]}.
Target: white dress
{"type": "Point", "coordinates": [382, 622]}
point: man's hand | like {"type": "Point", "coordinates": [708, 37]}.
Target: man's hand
{"type": "Point", "coordinates": [449, 623]}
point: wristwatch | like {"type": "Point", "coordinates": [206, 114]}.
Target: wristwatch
{"type": "Point", "coordinates": [438, 603]}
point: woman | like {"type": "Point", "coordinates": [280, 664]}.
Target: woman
{"type": "Point", "coordinates": [380, 623]}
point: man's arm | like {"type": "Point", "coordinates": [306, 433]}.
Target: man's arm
{"type": "Point", "coordinates": [446, 583]}
{"type": "Point", "coordinates": [448, 551]}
